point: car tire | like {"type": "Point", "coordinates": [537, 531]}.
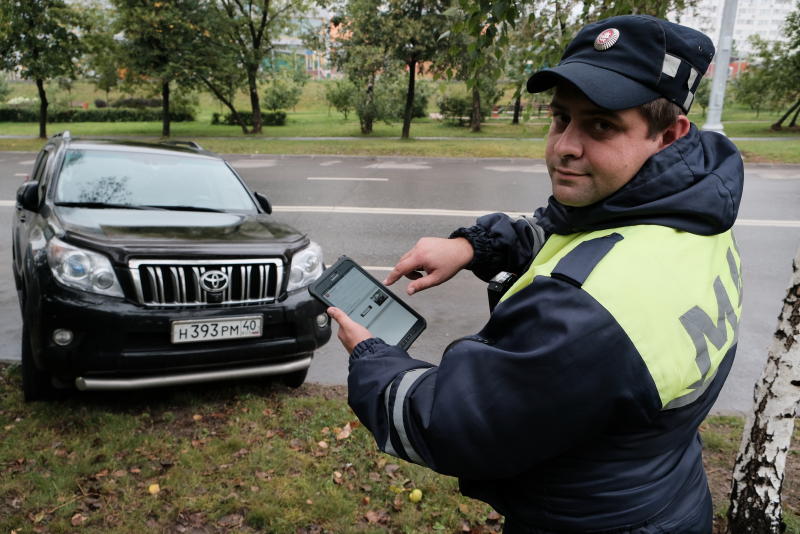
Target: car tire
{"type": "Point", "coordinates": [36, 384]}
{"type": "Point", "coordinates": [295, 380]}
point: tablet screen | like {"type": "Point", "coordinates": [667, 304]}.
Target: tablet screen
{"type": "Point", "coordinates": [370, 306]}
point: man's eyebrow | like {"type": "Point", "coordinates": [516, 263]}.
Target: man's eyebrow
{"type": "Point", "coordinates": [592, 112]}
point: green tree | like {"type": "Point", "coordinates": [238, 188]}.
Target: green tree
{"type": "Point", "coordinates": [416, 35]}
{"type": "Point", "coordinates": [40, 38]}
{"type": "Point", "coordinates": [282, 92]}
{"type": "Point", "coordinates": [160, 43]}
{"type": "Point", "coordinates": [362, 54]}
{"type": "Point", "coordinates": [103, 51]}
{"type": "Point", "coordinates": [748, 89]}
{"type": "Point", "coordinates": [248, 29]}
{"type": "Point", "coordinates": [341, 95]}
{"type": "Point", "coordinates": [5, 90]}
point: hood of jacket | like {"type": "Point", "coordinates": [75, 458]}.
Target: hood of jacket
{"type": "Point", "coordinates": [694, 185]}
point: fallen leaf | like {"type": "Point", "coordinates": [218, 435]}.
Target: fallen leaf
{"type": "Point", "coordinates": [326, 431]}
{"type": "Point", "coordinates": [337, 477]}
{"type": "Point", "coordinates": [197, 417]}
{"type": "Point", "coordinates": [380, 516]}
{"type": "Point", "coordinates": [296, 444]}
{"type": "Point", "coordinates": [309, 501]}
{"type": "Point", "coordinates": [322, 444]}
{"type": "Point", "coordinates": [391, 470]}
{"type": "Point", "coordinates": [398, 502]}
{"type": "Point", "coordinates": [153, 489]}
{"type": "Point", "coordinates": [240, 453]}
{"type": "Point", "coordinates": [231, 521]}
{"type": "Point", "coordinates": [345, 432]}
{"type": "Point", "coordinates": [365, 500]}
{"type": "Point", "coordinates": [268, 412]}
{"type": "Point", "coordinates": [494, 516]}
{"type": "Point", "coordinates": [463, 508]}
{"type": "Point", "coordinates": [264, 475]}
{"type": "Point", "coordinates": [78, 519]}
{"type": "Point", "coordinates": [375, 477]}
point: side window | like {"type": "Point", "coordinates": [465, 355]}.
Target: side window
{"type": "Point", "coordinates": [41, 164]}
{"type": "Point", "coordinates": [39, 173]}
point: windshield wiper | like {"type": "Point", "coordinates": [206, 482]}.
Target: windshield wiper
{"type": "Point", "coordinates": [103, 205]}
{"type": "Point", "coordinates": [184, 208]}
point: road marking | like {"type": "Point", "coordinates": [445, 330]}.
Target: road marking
{"type": "Point", "coordinates": [329, 163]}
{"type": "Point", "coordinates": [357, 210]}
{"type": "Point", "coordinates": [27, 162]}
{"type": "Point", "coordinates": [20, 174]}
{"type": "Point", "coordinates": [400, 166]}
{"type": "Point", "coordinates": [253, 163]}
{"type": "Point", "coordinates": [768, 222]}
{"type": "Point", "coordinates": [518, 168]}
{"type": "Point", "coordinates": [378, 211]}
{"type": "Point", "coordinates": [346, 179]}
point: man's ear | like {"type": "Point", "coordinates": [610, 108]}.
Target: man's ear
{"type": "Point", "coordinates": [672, 133]}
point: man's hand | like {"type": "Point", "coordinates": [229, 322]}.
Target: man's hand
{"type": "Point", "coordinates": [350, 332]}
{"type": "Point", "coordinates": [440, 258]}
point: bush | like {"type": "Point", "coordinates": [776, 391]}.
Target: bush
{"type": "Point", "coordinates": [277, 118]}
{"type": "Point", "coordinates": [281, 93]}
{"type": "Point", "coordinates": [455, 109]}
{"type": "Point", "coordinates": [136, 103]}
{"type": "Point", "coordinates": [341, 95]}
{"type": "Point", "coordinates": [90, 115]}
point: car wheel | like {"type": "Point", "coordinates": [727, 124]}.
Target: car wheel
{"type": "Point", "coordinates": [36, 384]}
{"type": "Point", "coordinates": [295, 379]}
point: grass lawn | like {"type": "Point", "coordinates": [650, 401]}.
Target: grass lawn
{"type": "Point", "coordinates": [312, 118]}
{"type": "Point", "coordinates": [245, 457]}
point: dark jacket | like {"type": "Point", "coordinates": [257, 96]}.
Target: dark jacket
{"type": "Point", "coordinates": [558, 413]}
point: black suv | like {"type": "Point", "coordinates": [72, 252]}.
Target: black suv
{"type": "Point", "coordinates": [141, 265]}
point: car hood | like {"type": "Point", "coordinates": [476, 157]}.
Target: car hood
{"type": "Point", "coordinates": [159, 232]}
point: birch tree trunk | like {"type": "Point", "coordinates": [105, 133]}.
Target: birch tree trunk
{"type": "Point", "coordinates": [759, 470]}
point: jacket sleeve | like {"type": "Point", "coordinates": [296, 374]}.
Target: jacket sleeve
{"type": "Point", "coordinates": [544, 375]}
{"type": "Point", "coordinates": [502, 244]}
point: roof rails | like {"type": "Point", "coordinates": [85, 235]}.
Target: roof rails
{"type": "Point", "coordinates": [66, 135]}
{"type": "Point", "coordinates": [190, 144]}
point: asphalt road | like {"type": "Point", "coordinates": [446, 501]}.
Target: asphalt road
{"type": "Point", "coordinates": [374, 209]}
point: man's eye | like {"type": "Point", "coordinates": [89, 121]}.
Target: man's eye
{"type": "Point", "coordinates": [602, 126]}
{"type": "Point", "coordinates": [560, 119]}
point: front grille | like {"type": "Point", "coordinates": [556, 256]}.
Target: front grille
{"type": "Point", "coordinates": [178, 282]}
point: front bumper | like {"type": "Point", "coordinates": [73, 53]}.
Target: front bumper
{"type": "Point", "coordinates": [128, 344]}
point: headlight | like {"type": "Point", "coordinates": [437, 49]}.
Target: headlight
{"type": "Point", "coordinates": [82, 269]}
{"type": "Point", "coordinates": [306, 266]}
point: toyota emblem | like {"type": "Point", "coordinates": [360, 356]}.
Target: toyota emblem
{"type": "Point", "coordinates": [214, 281]}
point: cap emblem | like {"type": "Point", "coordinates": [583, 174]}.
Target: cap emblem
{"type": "Point", "coordinates": [606, 39]}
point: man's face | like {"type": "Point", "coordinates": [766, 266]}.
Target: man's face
{"type": "Point", "coordinates": [591, 151]}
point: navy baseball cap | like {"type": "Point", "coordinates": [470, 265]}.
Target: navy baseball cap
{"type": "Point", "coordinates": [623, 62]}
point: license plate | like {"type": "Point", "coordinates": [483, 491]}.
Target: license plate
{"type": "Point", "coordinates": [192, 331]}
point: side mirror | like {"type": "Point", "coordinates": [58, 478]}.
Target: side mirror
{"type": "Point", "coordinates": [264, 203]}
{"type": "Point", "coordinates": [28, 196]}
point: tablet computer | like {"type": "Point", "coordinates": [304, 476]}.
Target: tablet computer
{"type": "Point", "coordinates": [368, 302]}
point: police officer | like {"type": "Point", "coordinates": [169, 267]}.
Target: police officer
{"type": "Point", "coordinates": [576, 407]}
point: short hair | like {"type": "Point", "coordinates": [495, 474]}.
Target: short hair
{"type": "Point", "coordinates": [659, 114]}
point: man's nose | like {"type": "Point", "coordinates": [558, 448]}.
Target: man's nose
{"type": "Point", "coordinates": [569, 143]}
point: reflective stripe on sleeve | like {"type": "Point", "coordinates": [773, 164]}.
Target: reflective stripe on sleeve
{"type": "Point", "coordinates": [397, 411]}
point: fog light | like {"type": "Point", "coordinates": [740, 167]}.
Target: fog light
{"type": "Point", "coordinates": [62, 337]}
{"type": "Point", "coordinates": [322, 320]}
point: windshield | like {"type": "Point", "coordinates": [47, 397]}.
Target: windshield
{"type": "Point", "coordinates": [148, 179]}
